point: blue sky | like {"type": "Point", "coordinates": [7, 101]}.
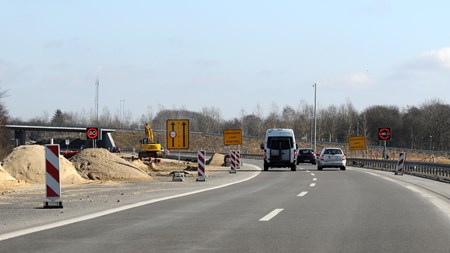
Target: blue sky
{"type": "Point", "coordinates": [230, 55]}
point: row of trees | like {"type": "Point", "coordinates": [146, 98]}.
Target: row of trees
{"type": "Point", "coordinates": [426, 126]}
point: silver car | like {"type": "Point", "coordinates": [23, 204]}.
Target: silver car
{"type": "Point", "coordinates": [331, 158]}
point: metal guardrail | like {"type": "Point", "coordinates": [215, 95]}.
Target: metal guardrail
{"type": "Point", "coordinates": [440, 172]}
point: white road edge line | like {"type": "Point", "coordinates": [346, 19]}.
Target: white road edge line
{"type": "Point", "coordinates": [271, 215]}
{"type": "Point", "coordinates": [312, 185]}
{"type": "Point", "coordinates": [441, 205]}
{"type": "Point", "coordinates": [113, 210]}
{"type": "Point", "coordinates": [302, 194]}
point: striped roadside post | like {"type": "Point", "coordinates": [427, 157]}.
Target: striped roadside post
{"type": "Point", "coordinates": [233, 162]}
{"type": "Point", "coordinates": [201, 159]}
{"type": "Point", "coordinates": [52, 177]}
{"type": "Point", "coordinates": [238, 159]}
{"type": "Point", "coordinates": [400, 165]}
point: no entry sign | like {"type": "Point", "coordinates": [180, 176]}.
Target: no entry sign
{"type": "Point", "coordinates": [384, 134]}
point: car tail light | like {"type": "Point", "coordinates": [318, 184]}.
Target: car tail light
{"type": "Point", "coordinates": [322, 157]}
{"type": "Point", "coordinates": [343, 158]}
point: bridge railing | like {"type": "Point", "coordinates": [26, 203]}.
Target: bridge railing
{"type": "Point", "coordinates": [435, 171]}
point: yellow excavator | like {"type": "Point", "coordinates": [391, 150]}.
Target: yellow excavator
{"type": "Point", "coordinates": [148, 147]}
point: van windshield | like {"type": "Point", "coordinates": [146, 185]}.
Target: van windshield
{"type": "Point", "coordinates": [280, 143]}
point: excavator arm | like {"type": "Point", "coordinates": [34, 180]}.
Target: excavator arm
{"type": "Point", "coordinates": [149, 133]}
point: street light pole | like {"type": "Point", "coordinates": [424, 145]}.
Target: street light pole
{"type": "Point", "coordinates": [315, 116]}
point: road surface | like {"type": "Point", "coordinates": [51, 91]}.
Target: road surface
{"type": "Point", "coordinates": [356, 210]}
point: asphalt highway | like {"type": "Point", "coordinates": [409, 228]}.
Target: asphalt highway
{"type": "Point", "coordinates": [277, 211]}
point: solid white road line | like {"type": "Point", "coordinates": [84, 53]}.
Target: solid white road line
{"type": "Point", "coordinates": [312, 185]}
{"type": "Point", "coordinates": [113, 210]}
{"type": "Point", "coordinates": [302, 194]}
{"type": "Point", "coordinates": [441, 205]}
{"type": "Point", "coordinates": [271, 215]}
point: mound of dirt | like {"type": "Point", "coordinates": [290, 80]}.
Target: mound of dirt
{"type": "Point", "coordinates": [142, 166]}
{"type": "Point", "coordinates": [7, 181]}
{"type": "Point", "coordinates": [216, 159]}
{"type": "Point", "coordinates": [28, 163]}
{"type": "Point", "coordinates": [100, 164]}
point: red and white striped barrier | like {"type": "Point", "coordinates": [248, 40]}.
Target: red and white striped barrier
{"type": "Point", "coordinates": [201, 161]}
{"type": "Point", "coordinates": [52, 177]}
{"type": "Point", "coordinates": [400, 165]}
{"type": "Point", "coordinates": [238, 159]}
{"type": "Point", "coordinates": [233, 161]}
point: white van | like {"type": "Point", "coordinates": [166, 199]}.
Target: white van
{"type": "Point", "coordinates": [279, 149]}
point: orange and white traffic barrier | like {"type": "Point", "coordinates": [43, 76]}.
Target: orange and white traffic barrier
{"type": "Point", "coordinates": [52, 177]}
{"type": "Point", "coordinates": [201, 161]}
{"type": "Point", "coordinates": [400, 165]}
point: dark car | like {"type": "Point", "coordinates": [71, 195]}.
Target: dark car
{"type": "Point", "coordinates": [306, 155]}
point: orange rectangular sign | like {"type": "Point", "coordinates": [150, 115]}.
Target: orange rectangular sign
{"type": "Point", "coordinates": [357, 143]}
{"type": "Point", "coordinates": [232, 137]}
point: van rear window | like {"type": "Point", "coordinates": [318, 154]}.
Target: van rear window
{"type": "Point", "coordinates": [280, 143]}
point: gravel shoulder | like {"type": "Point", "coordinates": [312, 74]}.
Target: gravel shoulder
{"type": "Point", "coordinates": [23, 208]}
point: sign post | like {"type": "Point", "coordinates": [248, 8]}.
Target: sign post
{"type": "Point", "coordinates": [233, 137]}
{"type": "Point", "coordinates": [94, 134]}
{"type": "Point", "coordinates": [384, 134]}
{"type": "Point", "coordinates": [177, 138]}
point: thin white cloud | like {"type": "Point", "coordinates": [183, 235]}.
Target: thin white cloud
{"type": "Point", "coordinates": [427, 63]}
{"type": "Point", "coordinates": [354, 81]}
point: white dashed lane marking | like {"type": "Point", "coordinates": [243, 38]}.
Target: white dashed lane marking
{"type": "Point", "coordinates": [271, 215]}
{"type": "Point", "coordinates": [302, 194]}
{"type": "Point", "coordinates": [312, 185]}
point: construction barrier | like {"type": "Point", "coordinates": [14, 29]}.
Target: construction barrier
{"type": "Point", "coordinates": [400, 165]}
{"type": "Point", "coordinates": [234, 161]}
{"type": "Point", "coordinates": [52, 177]}
{"type": "Point", "coordinates": [201, 160]}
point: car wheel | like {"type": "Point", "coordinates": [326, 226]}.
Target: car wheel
{"type": "Point", "coordinates": [293, 167]}
{"type": "Point", "coordinates": [343, 168]}
{"type": "Point", "coordinates": [319, 168]}
{"type": "Point", "coordinates": [266, 166]}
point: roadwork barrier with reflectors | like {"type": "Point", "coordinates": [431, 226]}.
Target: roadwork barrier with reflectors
{"type": "Point", "coordinates": [235, 161]}
{"type": "Point", "coordinates": [52, 177]}
{"type": "Point", "coordinates": [201, 165]}
{"type": "Point", "coordinates": [400, 165]}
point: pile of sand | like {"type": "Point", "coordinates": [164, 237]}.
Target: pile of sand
{"type": "Point", "coordinates": [7, 181]}
{"type": "Point", "coordinates": [28, 163]}
{"type": "Point", "coordinates": [142, 166]}
{"type": "Point", "coordinates": [216, 159]}
{"type": "Point", "coordinates": [100, 164]}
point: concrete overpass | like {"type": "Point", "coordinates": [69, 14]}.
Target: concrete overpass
{"type": "Point", "coordinates": [21, 130]}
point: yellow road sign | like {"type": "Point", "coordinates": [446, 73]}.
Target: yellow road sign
{"type": "Point", "coordinates": [232, 137]}
{"type": "Point", "coordinates": [357, 143]}
{"type": "Point", "coordinates": [177, 133]}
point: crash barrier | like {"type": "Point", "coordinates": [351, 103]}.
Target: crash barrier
{"type": "Point", "coordinates": [435, 171]}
